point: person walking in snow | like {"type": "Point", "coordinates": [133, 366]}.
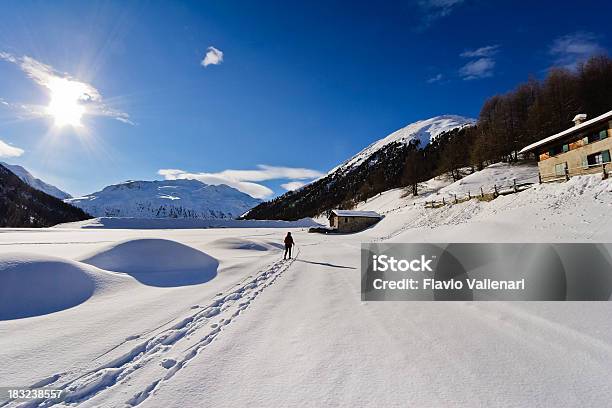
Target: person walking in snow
{"type": "Point", "coordinates": [288, 244]}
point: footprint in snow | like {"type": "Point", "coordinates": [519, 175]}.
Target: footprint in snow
{"type": "Point", "coordinates": [168, 363]}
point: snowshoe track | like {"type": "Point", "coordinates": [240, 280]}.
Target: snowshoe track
{"type": "Point", "coordinates": [164, 354]}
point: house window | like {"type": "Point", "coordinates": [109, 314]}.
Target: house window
{"type": "Point", "coordinates": [565, 148]}
{"type": "Point", "coordinates": [598, 158]}
{"type": "Point", "coordinates": [560, 169]}
{"type": "Point", "coordinates": [597, 136]}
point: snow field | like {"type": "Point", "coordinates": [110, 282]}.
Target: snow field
{"type": "Point", "coordinates": [158, 358]}
{"type": "Point", "coordinates": [304, 337]}
{"type": "Point", "coordinates": [183, 223]}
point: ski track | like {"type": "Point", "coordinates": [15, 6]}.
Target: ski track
{"type": "Point", "coordinates": [163, 349]}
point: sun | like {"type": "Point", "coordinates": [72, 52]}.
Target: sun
{"type": "Point", "coordinates": [65, 105]}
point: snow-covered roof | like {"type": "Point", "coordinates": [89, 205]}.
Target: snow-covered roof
{"type": "Point", "coordinates": [600, 118]}
{"type": "Point", "coordinates": [349, 213]}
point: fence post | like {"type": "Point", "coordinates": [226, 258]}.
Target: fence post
{"type": "Point", "coordinates": [456, 199]}
{"type": "Point", "coordinates": [481, 192]}
{"type": "Point", "coordinates": [494, 190]}
{"type": "Point", "coordinates": [566, 174]}
{"type": "Point", "coordinates": [539, 177]}
{"type": "Point", "coordinates": [443, 203]}
{"type": "Point", "coordinates": [515, 189]}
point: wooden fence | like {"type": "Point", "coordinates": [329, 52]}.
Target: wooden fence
{"type": "Point", "coordinates": [483, 193]}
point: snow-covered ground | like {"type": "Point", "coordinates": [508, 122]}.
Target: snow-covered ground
{"type": "Point", "coordinates": [213, 317]}
{"type": "Point", "coordinates": [183, 223]}
{"type": "Point", "coordinates": [500, 175]}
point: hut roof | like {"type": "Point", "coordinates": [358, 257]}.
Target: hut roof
{"type": "Point", "coordinates": [349, 213]}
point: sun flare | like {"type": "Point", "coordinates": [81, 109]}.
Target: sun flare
{"type": "Point", "coordinates": [65, 105]}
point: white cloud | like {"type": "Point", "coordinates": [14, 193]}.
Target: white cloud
{"type": "Point", "coordinates": [487, 51]}
{"type": "Point", "coordinates": [482, 63]}
{"type": "Point", "coordinates": [435, 78]}
{"type": "Point", "coordinates": [252, 189]}
{"type": "Point", "coordinates": [480, 68]}
{"type": "Point", "coordinates": [245, 180]}
{"type": "Point", "coordinates": [46, 76]}
{"type": "Point", "coordinates": [213, 56]}
{"type": "Point", "coordinates": [7, 150]}
{"type": "Point", "coordinates": [293, 185]}
{"type": "Point", "coordinates": [435, 9]}
{"type": "Point", "coordinates": [571, 49]}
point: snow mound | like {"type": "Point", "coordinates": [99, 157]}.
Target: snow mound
{"type": "Point", "coordinates": [34, 285]}
{"type": "Point", "coordinates": [157, 262]}
{"type": "Point", "coordinates": [244, 244]}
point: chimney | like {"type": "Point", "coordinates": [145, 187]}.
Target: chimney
{"type": "Point", "coordinates": [578, 119]}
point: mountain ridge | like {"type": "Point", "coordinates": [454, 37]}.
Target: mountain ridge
{"type": "Point", "coordinates": [24, 206]}
{"type": "Point", "coordinates": [425, 131]}
{"type": "Point", "coordinates": [378, 167]}
{"type": "Point", "coordinates": [34, 182]}
{"type": "Point", "coordinates": [181, 198]}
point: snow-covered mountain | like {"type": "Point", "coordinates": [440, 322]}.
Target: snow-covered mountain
{"type": "Point", "coordinates": [166, 199]}
{"type": "Point", "coordinates": [424, 131]}
{"type": "Point", "coordinates": [36, 183]}
{"type": "Point", "coordinates": [24, 206]}
{"type": "Point", "coordinates": [378, 167]}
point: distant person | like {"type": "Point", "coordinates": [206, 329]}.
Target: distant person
{"type": "Point", "coordinates": [288, 244]}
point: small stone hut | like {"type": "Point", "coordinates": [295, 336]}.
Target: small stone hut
{"type": "Point", "coordinates": [352, 221]}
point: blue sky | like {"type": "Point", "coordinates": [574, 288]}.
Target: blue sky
{"type": "Point", "coordinates": [288, 91]}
